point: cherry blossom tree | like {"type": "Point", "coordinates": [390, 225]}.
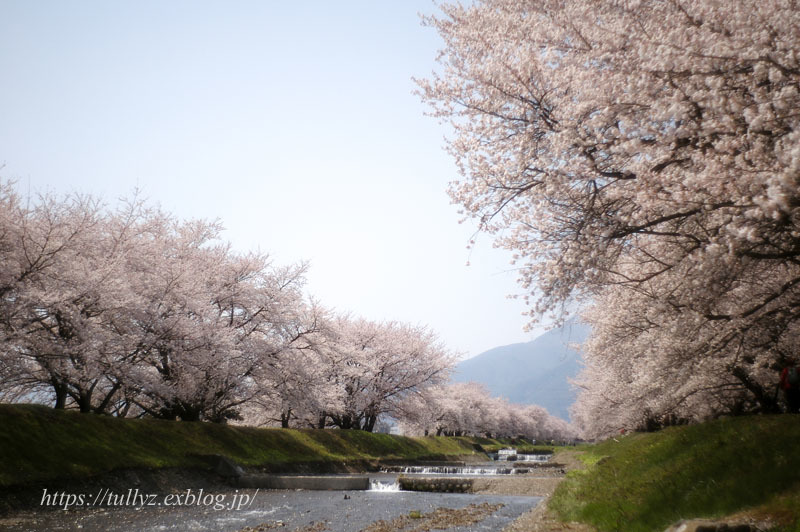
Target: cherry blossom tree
{"type": "Point", "coordinates": [134, 312]}
{"type": "Point", "coordinates": [641, 154]}
{"type": "Point", "coordinates": [377, 364]}
{"type": "Point", "coordinates": [210, 322]}
{"type": "Point", "coordinates": [464, 409]}
{"type": "Point", "coordinates": [445, 409]}
{"type": "Point", "coordinates": [297, 383]}
{"type": "Point", "coordinates": [112, 310]}
{"type": "Point", "coordinates": [642, 369]}
{"type": "Point", "coordinates": [64, 298]}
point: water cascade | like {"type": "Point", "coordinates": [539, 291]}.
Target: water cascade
{"type": "Point", "coordinates": [456, 470]}
{"type": "Point", "coordinates": [533, 457]}
{"type": "Point", "coordinates": [384, 485]}
{"type": "Point", "coordinates": [507, 457]}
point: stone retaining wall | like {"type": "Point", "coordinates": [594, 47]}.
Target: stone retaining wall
{"type": "Point", "coordinates": [450, 485]}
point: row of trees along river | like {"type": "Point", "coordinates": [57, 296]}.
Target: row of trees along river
{"type": "Point", "coordinates": [131, 312]}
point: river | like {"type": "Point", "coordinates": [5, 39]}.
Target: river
{"type": "Point", "coordinates": [307, 511]}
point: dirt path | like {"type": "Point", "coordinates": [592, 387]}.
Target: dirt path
{"type": "Point", "coordinates": [539, 519]}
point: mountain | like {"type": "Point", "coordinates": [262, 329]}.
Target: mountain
{"type": "Point", "coordinates": [534, 372]}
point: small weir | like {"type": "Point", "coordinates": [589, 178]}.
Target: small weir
{"type": "Point", "coordinates": [520, 464]}
{"type": "Point", "coordinates": [456, 477]}
{"type": "Point", "coordinates": [456, 470]}
{"type": "Point", "coordinates": [515, 457]}
{"type": "Point", "coordinates": [533, 457]}
{"type": "Point", "coordinates": [384, 485]}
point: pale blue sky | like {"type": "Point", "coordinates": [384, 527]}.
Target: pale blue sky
{"type": "Point", "coordinates": [293, 122]}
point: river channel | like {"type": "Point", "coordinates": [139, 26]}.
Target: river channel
{"type": "Point", "coordinates": [298, 511]}
{"type": "Point", "coordinates": [285, 511]}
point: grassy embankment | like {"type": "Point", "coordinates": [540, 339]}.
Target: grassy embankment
{"type": "Point", "coordinates": [40, 444]}
{"type": "Point", "coordinates": [645, 482]}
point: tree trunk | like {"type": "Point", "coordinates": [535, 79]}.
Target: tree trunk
{"type": "Point", "coordinates": [61, 394]}
{"type": "Point", "coordinates": [123, 411]}
{"type": "Point", "coordinates": [369, 422]}
{"type": "Point", "coordinates": [84, 397]}
{"type": "Point", "coordinates": [85, 402]}
{"type": "Point", "coordinates": [101, 408]}
{"type": "Point", "coordinates": [765, 400]}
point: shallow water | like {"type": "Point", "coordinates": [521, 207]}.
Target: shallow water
{"type": "Point", "coordinates": [284, 510]}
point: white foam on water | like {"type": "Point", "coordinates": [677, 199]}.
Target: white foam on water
{"type": "Point", "coordinates": [381, 485]}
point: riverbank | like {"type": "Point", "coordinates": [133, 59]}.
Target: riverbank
{"type": "Point", "coordinates": [543, 484]}
{"type": "Point", "coordinates": [42, 447]}
{"type": "Point", "coordinates": [40, 444]}
{"type": "Point", "coordinates": [742, 471]}
{"type": "Point", "coordinates": [739, 470]}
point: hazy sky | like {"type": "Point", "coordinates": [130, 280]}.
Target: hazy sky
{"type": "Point", "coordinates": [295, 123]}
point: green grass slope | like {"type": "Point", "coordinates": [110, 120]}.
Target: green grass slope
{"type": "Point", "coordinates": [645, 482]}
{"type": "Point", "coordinates": [38, 443]}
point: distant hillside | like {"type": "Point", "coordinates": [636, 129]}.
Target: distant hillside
{"type": "Point", "coordinates": [534, 372]}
